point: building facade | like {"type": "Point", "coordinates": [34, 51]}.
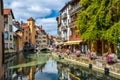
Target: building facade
{"type": "Point", "coordinates": [75, 36]}
{"type": "Point", "coordinates": [8, 31]}
{"type": "Point", "coordinates": [41, 38]}
{"type": "Point", "coordinates": [31, 24]}
{"type": "Point", "coordinates": [26, 33]}
{"type": "Point", "coordinates": [29, 42]}
{"type": "Point", "coordinates": [1, 41]}
{"type": "Point", "coordinates": [64, 23]}
{"type": "Point", "coordinates": [9, 42]}
{"type": "Point", "coordinates": [67, 27]}
{"type": "Point", "coordinates": [74, 10]}
{"type": "Point", "coordinates": [19, 40]}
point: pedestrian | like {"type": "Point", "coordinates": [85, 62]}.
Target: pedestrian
{"type": "Point", "coordinates": [92, 54]}
{"type": "Point", "coordinates": [110, 57]}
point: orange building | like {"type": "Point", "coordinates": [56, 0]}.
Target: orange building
{"type": "Point", "coordinates": [19, 40]}
{"type": "Point", "coordinates": [75, 8]}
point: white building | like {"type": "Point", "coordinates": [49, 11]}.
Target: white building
{"type": "Point", "coordinates": [8, 31]}
{"type": "Point", "coordinates": [65, 20]}
{"type": "Point", "coordinates": [9, 55]}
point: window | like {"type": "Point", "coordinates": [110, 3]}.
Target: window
{"type": "Point", "coordinates": [44, 40]}
{"type": "Point", "coordinates": [10, 37]}
{"type": "Point", "coordinates": [26, 38]}
{"type": "Point", "coordinates": [6, 45]}
{"type": "Point", "coordinates": [6, 25]}
{"type": "Point", "coordinates": [11, 46]}
{"type": "Point", "coordinates": [10, 28]}
{"type": "Point", "coordinates": [6, 35]}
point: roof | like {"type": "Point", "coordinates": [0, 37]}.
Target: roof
{"type": "Point", "coordinates": [8, 11]}
{"type": "Point", "coordinates": [30, 19]}
{"type": "Point", "coordinates": [66, 4]}
{"type": "Point", "coordinates": [25, 25]}
{"type": "Point", "coordinates": [19, 30]}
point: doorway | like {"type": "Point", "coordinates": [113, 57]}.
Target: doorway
{"type": "Point", "coordinates": [99, 48]}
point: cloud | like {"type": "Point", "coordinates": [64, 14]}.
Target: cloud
{"type": "Point", "coordinates": [49, 25]}
{"type": "Point", "coordinates": [38, 9]}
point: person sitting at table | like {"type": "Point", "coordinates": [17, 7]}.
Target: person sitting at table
{"type": "Point", "coordinates": [77, 52]}
{"type": "Point", "coordinates": [111, 57]}
{"type": "Point", "coordinates": [92, 54]}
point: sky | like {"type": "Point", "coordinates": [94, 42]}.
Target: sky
{"type": "Point", "coordinates": [43, 11]}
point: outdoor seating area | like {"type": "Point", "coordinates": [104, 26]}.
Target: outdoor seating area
{"type": "Point", "coordinates": [98, 61]}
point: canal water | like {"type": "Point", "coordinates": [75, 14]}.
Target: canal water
{"type": "Point", "coordinates": [49, 71]}
{"type": "Point", "coordinates": [53, 70]}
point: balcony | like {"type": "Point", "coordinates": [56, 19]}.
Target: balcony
{"type": "Point", "coordinates": [63, 28]}
{"type": "Point", "coordinates": [74, 9]}
{"type": "Point", "coordinates": [72, 24]}
{"type": "Point", "coordinates": [64, 16]}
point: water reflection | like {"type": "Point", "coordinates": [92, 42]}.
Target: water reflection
{"type": "Point", "coordinates": [80, 73]}
{"type": "Point", "coordinates": [49, 72]}
{"type": "Point", "coordinates": [52, 70]}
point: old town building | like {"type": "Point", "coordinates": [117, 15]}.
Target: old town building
{"type": "Point", "coordinates": [1, 41]}
{"type": "Point", "coordinates": [31, 24]}
{"type": "Point", "coordinates": [64, 23]}
{"type": "Point", "coordinates": [29, 33]}
{"type": "Point", "coordinates": [67, 26]}
{"type": "Point", "coordinates": [26, 32]}
{"type": "Point", "coordinates": [41, 38]}
{"type": "Point", "coordinates": [74, 38]}
{"type": "Point", "coordinates": [19, 40]}
{"type": "Point", "coordinates": [9, 47]}
{"type": "Point", "coordinates": [8, 34]}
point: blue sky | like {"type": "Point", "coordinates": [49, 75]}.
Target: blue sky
{"type": "Point", "coordinates": [43, 11]}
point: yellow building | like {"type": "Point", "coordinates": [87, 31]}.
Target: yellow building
{"type": "Point", "coordinates": [31, 24]}
{"type": "Point", "coordinates": [102, 46]}
{"type": "Point", "coordinates": [26, 33]}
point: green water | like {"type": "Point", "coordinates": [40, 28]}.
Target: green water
{"type": "Point", "coordinates": [63, 68]}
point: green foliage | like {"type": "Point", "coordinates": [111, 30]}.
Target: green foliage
{"type": "Point", "coordinates": [99, 19]}
{"type": "Point", "coordinates": [112, 33]}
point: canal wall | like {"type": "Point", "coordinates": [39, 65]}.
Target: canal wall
{"type": "Point", "coordinates": [91, 64]}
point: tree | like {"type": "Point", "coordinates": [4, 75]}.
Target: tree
{"type": "Point", "coordinates": [99, 19]}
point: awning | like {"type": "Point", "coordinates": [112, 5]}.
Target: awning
{"type": "Point", "coordinates": [72, 42]}
{"type": "Point", "coordinates": [59, 43]}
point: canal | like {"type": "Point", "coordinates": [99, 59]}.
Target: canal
{"type": "Point", "coordinates": [42, 66]}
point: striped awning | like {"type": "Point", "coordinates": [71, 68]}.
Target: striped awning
{"type": "Point", "coordinates": [72, 42]}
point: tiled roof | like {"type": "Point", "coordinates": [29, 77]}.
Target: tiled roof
{"type": "Point", "coordinates": [7, 11]}
{"type": "Point", "coordinates": [30, 19]}
{"type": "Point", "coordinates": [25, 25]}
